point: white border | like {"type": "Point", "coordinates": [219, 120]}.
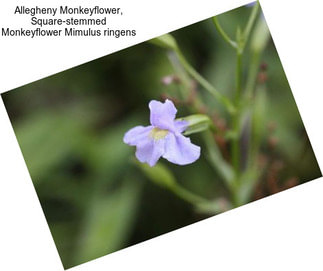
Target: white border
{"type": "Point", "coordinates": [281, 232]}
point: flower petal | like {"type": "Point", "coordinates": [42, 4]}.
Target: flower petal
{"type": "Point", "coordinates": [150, 150]}
{"type": "Point", "coordinates": [181, 125]}
{"type": "Point", "coordinates": [162, 115]}
{"type": "Point", "coordinates": [179, 149]}
{"type": "Point", "coordinates": [136, 134]}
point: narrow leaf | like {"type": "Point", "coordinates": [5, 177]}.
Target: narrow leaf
{"type": "Point", "coordinates": [166, 41]}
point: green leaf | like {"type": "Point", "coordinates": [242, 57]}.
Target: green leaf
{"type": "Point", "coordinates": [108, 222]}
{"type": "Point", "coordinates": [166, 41]}
{"type": "Point", "coordinates": [248, 182]}
{"type": "Point", "coordinates": [260, 36]}
{"type": "Point", "coordinates": [223, 168]}
{"type": "Point", "coordinates": [197, 123]}
{"type": "Point", "coordinates": [260, 113]}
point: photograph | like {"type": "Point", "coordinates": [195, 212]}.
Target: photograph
{"type": "Point", "coordinates": [161, 135]}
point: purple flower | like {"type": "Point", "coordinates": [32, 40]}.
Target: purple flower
{"type": "Point", "coordinates": [163, 137]}
{"type": "Point", "coordinates": [251, 4]}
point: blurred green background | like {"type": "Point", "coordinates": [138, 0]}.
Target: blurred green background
{"type": "Point", "coordinates": [70, 128]}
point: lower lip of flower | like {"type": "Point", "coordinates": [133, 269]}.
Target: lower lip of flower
{"type": "Point", "coordinates": [158, 134]}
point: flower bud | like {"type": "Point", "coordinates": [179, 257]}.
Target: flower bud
{"type": "Point", "coordinates": [197, 123]}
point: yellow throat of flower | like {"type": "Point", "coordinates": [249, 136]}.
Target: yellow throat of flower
{"type": "Point", "coordinates": [158, 134]}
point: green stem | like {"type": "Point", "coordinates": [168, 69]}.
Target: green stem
{"type": "Point", "coordinates": [214, 155]}
{"type": "Point", "coordinates": [222, 33]}
{"type": "Point", "coordinates": [185, 85]}
{"type": "Point", "coordinates": [238, 78]}
{"type": "Point", "coordinates": [187, 195]}
{"type": "Point", "coordinates": [236, 152]}
{"type": "Point", "coordinates": [204, 83]}
{"type": "Point", "coordinates": [236, 118]}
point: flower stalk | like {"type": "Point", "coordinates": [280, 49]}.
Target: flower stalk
{"type": "Point", "coordinates": [168, 42]}
{"type": "Point", "coordinates": [205, 84]}
{"type": "Point", "coordinates": [224, 35]}
{"type": "Point", "coordinates": [233, 174]}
